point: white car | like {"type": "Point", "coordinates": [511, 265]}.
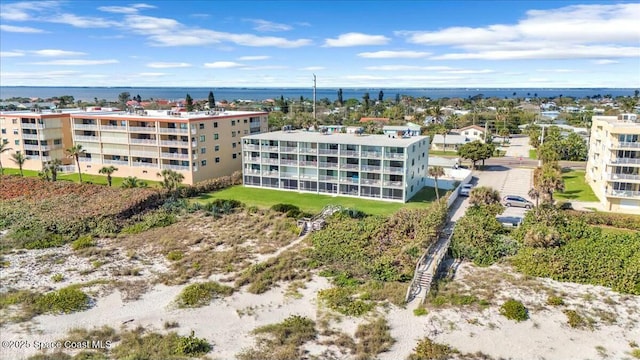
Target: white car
{"type": "Point", "coordinates": [465, 189]}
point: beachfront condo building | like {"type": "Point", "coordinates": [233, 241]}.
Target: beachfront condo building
{"type": "Point", "coordinates": [198, 145]}
{"type": "Point", "coordinates": [383, 167]}
{"type": "Point", "coordinates": [613, 167]}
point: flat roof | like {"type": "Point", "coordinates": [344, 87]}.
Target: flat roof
{"type": "Point", "coordinates": [168, 114]}
{"type": "Point", "coordinates": [334, 138]}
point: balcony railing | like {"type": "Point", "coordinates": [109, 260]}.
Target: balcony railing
{"type": "Point", "coordinates": [289, 149]}
{"type": "Point", "coordinates": [394, 155]}
{"type": "Point", "coordinates": [626, 145]}
{"type": "Point", "coordinates": [251, 147]}
{"type": "Point", "coordinates": [113, 128]}
{"type": "Point", "coordinates": [175, 167]}
{"type": "Point", "coordinates": [329, 165]}
{"type": "Point", "coordinates": [619, 161]}
{"type": "Point", "coordinates": [349, 153]}
{"type": "Point", "coordinates": [328, 151]}
{"type": "Point", "coordinates": [618, 177]}
{"type": "Point", "coordinates": [115, 162]}
{"type": "Point", "coordinates": [309, 163]}
{"type": "Point", "coordinates": [349, 166]}
{"type": "Point", "coordinates": [142, 129]}
{"type": "Point", "coordinates": [144, 164]}
{"type": "Point", "coordinates": [88, 159]}
{"type": "Point", "coordinates": [31, 147]}
{"type": "Point", "coordinates": [114, 140]}
{"type": "Point", "coordinates": [270, 173]}
{"type": "Point", "coordinates": [394, 170]}
{"type": "Point", "coordinates": [93, 127]}
{"type": "Point", "coordinates": [396, 184]}
{"type": "Point", "coordinates": [328, 178]}
{"type": "Point", "coordinates": [371, 182]}
{"type": "Point", "coordinates": [164, 130]}
{"type": "Point", "coordinates": [144, 141]}
{"type": "Point", "coordinates": [269, 148]}
{"type": "Point", "coordinates": [31, 136]}
{"type": "Point", "coordinates": [146, 154]}
{"type": "Point", "coordinates": [174, 143]}
{"type": "Point", "coordinates": [32, 126]}
{"type": "Point", "coordinates": [269, 161]}
{"type": "Point", "coordinates": [349, 180]}
{"type": "Point", "coordinates": [371, 154]}
{"type": "Point", "coordinates": [175, 155]}
{"type": "Point", "coordinates": [252, 171]}
{"type": "Point", "coordinates": [288, 162]}
{"type": "Point", "coordinates": [371, 168]}
{"type": "Point", "coordinates": [308, 151]}
{"type": "Point", "coordinates": [86, 138]}
{"type": "Point", "coordinates": [46, 158]}
{"type": "Point", "coordinates": [624, 193]}
{"type": "Point", "coordinates": [289, 175]}
{"type": "Point", "coordinates": [49, 147]}
{"type": "Point", "coordinates": [255, 159]}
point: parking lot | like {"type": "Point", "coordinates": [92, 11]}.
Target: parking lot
{"type": "Point", "coordinates": [508, 181]}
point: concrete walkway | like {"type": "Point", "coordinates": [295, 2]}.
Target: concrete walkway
{"type": "Point", "coordinates": [519, 147]}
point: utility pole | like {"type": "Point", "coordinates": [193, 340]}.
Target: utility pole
{"type": "Point", "coordinates": [541, 142]}
{"type": "Point", "coordinates": [314, 96]}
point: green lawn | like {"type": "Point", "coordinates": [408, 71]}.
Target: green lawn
{"type": "Point", "coordinates": [533, 154]}
{"type": "Point", "coordinates": [445, 153]}
{"type": "Point", "coordinates": [87, 178]}
{"type": "Point", "coordinates": [313, 203]}
{"type": "Point", "coordinates": [576, 187]}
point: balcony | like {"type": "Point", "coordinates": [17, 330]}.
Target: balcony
{"type": "Point", "coordinates": [375, 182]}
{"type": "Point", "coordinates": [270, 161]}
{"type": "Point", "coordinates": [394, 170]}
{"type": "Point", "coordinates": [349, 166]}
{"type": "Point", "coordinates": [146, 154]}
{"type": "Point", "coordinates": [270, 173]}
{"type": "Point", "coordinates": [308, 151]}
{"type": "Point", "coordinates": [251, 171]}
{"type": "Point", "coordinates": [115, 162]}
{"type": "Point", "coordinates": [174, 143]}
{"type": "Point", "coordinates": [31, 136]}
{"type": "Point", "coordinates": [620, 177]}
{"type": "Point", "coordinates": [251, 147]}
{"type": "Point", "coordinates": [164, 130]}
{"type": "Point", "coordinates": [175, 167]}
{"type": "Point", "coordinates": [329, 165]}
{"type": "Point", "coordinates": [309, 163]}
{"type": "Point", "coordinates": [626, 145]}
{"type": "Point", "coordinates": [32, 126]}
{"type": "Point", "coordinates": [288, 162]}
{"type": "Point", "coordinates": [371, 168]}
{"type": "Point", "coordinates": [144, 164]}
{"type": "Point", "coordinates": [394, 155]}
{"type": "Point", "coordinates": [349, 180]}
{"type": "Point", "coordinates": [328, 152]}
{"type": "Point", "coordinates": [88, 160]}
{"type": "Point", "coordinates": [349, 153]}
{"type": "Point", "coordinates": [394, 184]}
{"type": "Point", "coordinates": [144, 141]}
{"type": "Point", "coordinates": [46, 158]}
{"type": "Point", "coordinates": [328, 178]}
{"type": "Point", "coordinates": [624, 193]}
{"type": "Point", "coordinates": [287, 175]}
{"type": "Point", "coordinates": [92, 127]}
{"type": "Point", "coordinates": [269, 148]}
{"type": "Point", "coordinates": [86, 138]}
{"type": "Point", "coordinates": [143, 129]}
{"type": "Point", "coordinates": [625, 161]}
{"type": "Point", "coordinates": [371, 154]}
{"type": "Point", "coordinates": [289, 149]}
{"type": "Point", "coordinates": [255, 159]}
{"type": "Point", "coordinates": [194, 144]}
{"type": "Point", "coordinates": [31, 147]}
{"type": "Point", "coordinates": [113, 128]}
{"type": "Point", "coordinates": [114, 140]}
{"type": "Point", "coordinates": [175, 155]}
{"type": "Point", "coordinates": [49, 147]}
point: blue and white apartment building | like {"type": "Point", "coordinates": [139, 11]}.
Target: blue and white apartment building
{"type": "Point", "coordinates": [384, 167]}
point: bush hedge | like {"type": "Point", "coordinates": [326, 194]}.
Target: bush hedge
{"type": "Point", "coordinates": [514, 310]}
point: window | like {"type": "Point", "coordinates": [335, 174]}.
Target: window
{"type": "Point", "coordinates": [246, 132]}
{"type": "Point", "coordinates": [235, 156]}
{"type": "Point", "coordinates": [203, 150]}
{"type": "Point", "coordinates": [215, 124]}
{"type": "Point", "coordinates": [17, 142]}
{"type": "Point", "coordinates": [4, 131]}
{"type": "Point", "coordinates": [201, 126]}
{"type": "Point", "coordinates": [216, 136]}
{"type": "Point", "coordinates": [15, 131]}
{"type": "Point", "coordinates": [245, 121]}
{"type": "Point", "coordinates": [233, 123]}
{"type": "Point", "coordinates": [217, 160]}
{"type": "Point", "coordinates": [217, 148]}
{"type": "Point", "coordinates": [14, 121]}
{"type": "Point", "coordinates": [203, 162]}
{"type": "Point", "coordinates": [202, 138]}
{"type": "Point", "coordinates": [233, 134]}
{"type": "Point", "coordinates": [233, 145]}
{"type": "Point", "coordinates": [57, 141]}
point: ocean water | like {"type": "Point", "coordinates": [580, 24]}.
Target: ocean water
{"type": "Point", "coordinates": [175, 93]}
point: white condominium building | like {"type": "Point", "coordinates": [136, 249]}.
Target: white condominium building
{"type": "Point", "coordinates": [613, 167]}
{"type": "Point", "coordinates": [370, 166]}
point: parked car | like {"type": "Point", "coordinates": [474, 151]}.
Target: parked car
{"type": "Point", "coordinates": [516, 201]}
{"type": "Point", "coordinates": [465, 189]}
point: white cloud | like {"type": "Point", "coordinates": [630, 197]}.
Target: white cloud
{"type": "Point", "coordinates": [81, 21]}
{"type": "Point", "coordinates": [407, 68]}
{"type": "Point", "coordinates": [313, 68]}
{"type": "Point", "coordinates": [37, 75]}
{"type": "Point", "coordinates": [468, 71]}
{"type": "Point", "coordinates": [21, 29]}
{"type": "Point", "coordinates": [21, 11]}
{"type": "Point", "coordinates": [556, 70]}
{"type": "Point", "coordinates": [167, 65]}
{"type": "Point", "coordinates": [605, 62]}
{"type": "Point", "coordinates": [264, 67]}
{"type": "Point", "coordinates": [152, 74]}
{"type": "Point", "coordinates": [118, 9]}
{"type": "Point", "coordinates": [254, 58]}
{"type": "Point", "coordinates": [356, 39]}
{"type": "Point", "coordinates": [223, 65]}
{"type": "Point", "coordinates": [11, 53]}
{"type": "Point", "coordinates": [56, 52]}
{"type": "Point", "coordinates": [394, 54]}
{"type": "Point", "coordinates": [76, 62]}
{"type": "Point", "coordinates": [143, 6]}
{"type": "Point", "coordinates": [265, 25]}
{"type": "Point", "coordinates": [576, 31]}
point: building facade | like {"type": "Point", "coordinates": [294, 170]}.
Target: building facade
{"type": "Point", "coordinates": [199, 145]}
{"type": "Point", "coordinates": [369, 166]}
{"type": "Point", "coordinates": [613, 167]}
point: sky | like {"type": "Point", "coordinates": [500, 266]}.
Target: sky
{"type": "Point", "coordinates": [389, 44]}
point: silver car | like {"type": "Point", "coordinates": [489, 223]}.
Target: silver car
{"type": "Point", "coordinates": [516, 201]}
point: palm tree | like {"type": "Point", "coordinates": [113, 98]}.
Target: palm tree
{"type": "Point", "coordinates": [74, 152]}
{"type": "Point", "coordinates": [443, 131]}
{"type": "Point", "coordinates": [54, 166]}
{"type": "Point", "coordinates": [548, 179]}
{"type": "Point", "coordinates": [436, 112]}
{"type": "Point", "coordinates": [170, 179]}
{"type": "Point", "coordinates": [454, 119]}
{"type": "Point", "coordinates": [108, 170]}
{"type": "Point", "coordinates": [3, 148]}
{"type": "Point", "coordinates": [534, 194]}
{"type": "Point", "coordinates": [504, 133]}
{"type": "Point", "coordinates": [19, 159]}
{"type": "Point", "coordinates": [435, 172]}
{"type": "Point", "coordinates": [133, 182]}
{"type": "Point", "coordinates": [484, 195]}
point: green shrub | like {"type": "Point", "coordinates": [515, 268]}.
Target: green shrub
{"type": "Point", "coordinates": [623, 221]}
{"type": "Point", "coordinates": [65, 300]}
{"type": "Point", "coordinates": [421, 311]}
{"type": "Point", "coordinates": [342, 301]}
{"type": "Point", "coordinates": [284, 208]}
{"type": "Point", "coordinates": [53, 356]}
{"type": "Point", "coordinates": [427, 349]}
{"type": "Point", "coordinates": [374, 338]}
{"type": "Point", "coordinates": [555, 300]}
{"type": "Point", "coordinates": [83, 242]}
{"type": "Point", "coordinates": [282, 341]}
{"type": "Point", "coordinates": [57, 277]}
{"type": "Point", "coordinates": [192, 346]}
{"type": "Point", "coordinates": [134, 345]}
{"type": "Point", "coordinates": [514, 310]}
{"type": "Point", "coordinates": [175, 255]}
{"type": "Point", "coordinates": [574, 319]}
{"type": "Point", "coordinates": [153, 219]}
{"type": "Point", "coordinates": [201, 294]}
{"type": "Point", "coordinates": [635, 353]}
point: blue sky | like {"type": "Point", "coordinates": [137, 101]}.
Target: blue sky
{"type": "Point", "coordinates": [345, 43]}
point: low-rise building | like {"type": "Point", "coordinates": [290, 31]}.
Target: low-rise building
{"type": "Point", "coordinates": [369, 166]}
{"type": "Point", "coordinates": [472, 132]}
{"type": "Point", "coordinates": [613, 166]}
{"type": "Point", "coordinates": [450, 142]}
{"type": "Point", "coordinates": [409, 129]}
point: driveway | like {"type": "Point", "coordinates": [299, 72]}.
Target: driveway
{"type": "Point", "coordinates": [508, 181]}
{"type": "Point", "coordinates": [519, 147]}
